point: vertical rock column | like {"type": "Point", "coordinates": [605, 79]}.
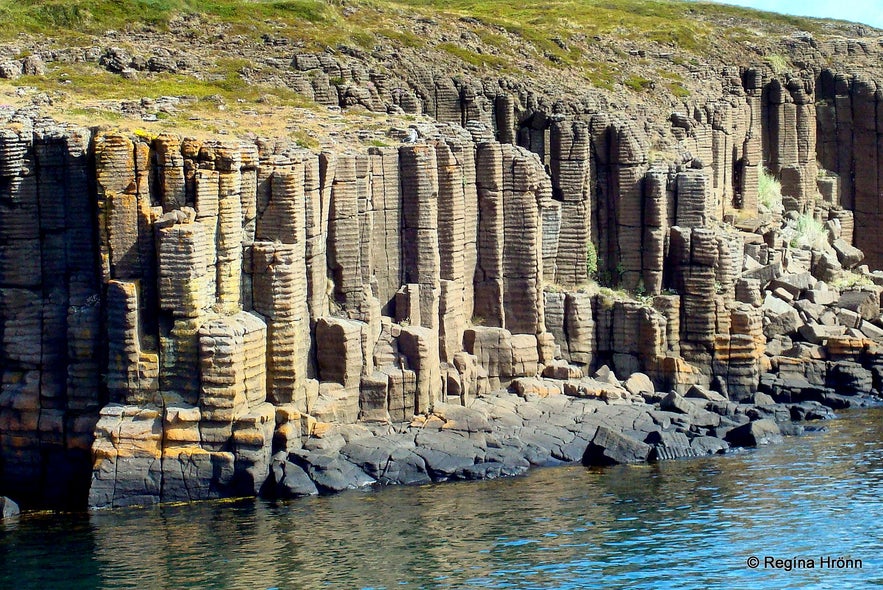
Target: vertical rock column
{"type": "Point", "coordinates": [420, 249]}
{"type": "Point", "coordinates": [230, 235]}
{"type": "Point", "coordinates": [248, 185]}
{"type": "Point", "coordinates": [737, 354]}
{"type": "Point", "coordinates": [279, 289]}
{"type": "Point", "coordinates": [694, 254]}
{"type": "Point", "coordinates": [522, 243]}
{"type": "Point", "coordinates": [231, 374]}
{"type": "Point", "coordinates": [452, 250]}
{"type": "Point", "coordinates": [49, 314]}
{"type": "Point", "coordinates": [183, 252]}
{"type": "Point", "coordinates": [867, 200]}
{"type": "Point", "coordinates": [387, 247]}
{"type": "Point", "coordinates": [84, 338]}
{"type": "Point", "coordinates": [125, 235]}
{"type": "Point", "coordinates": [792, 132]}
{"type": "Point", "coordinates": [656, 223]}
{"type": "Point", "coordinates": [692, 199]}
{"type": "Point", "coordinates": [316, 220]}
{"type": "Point", "coordinates": [170, 172]}
{"type": "Point", "coordinates": [571, 179]}
{"type": "Point", "coordinates": [748, 168]}
{"type": "Point", "coordinates": [489, 267]}
{"type": "Point", "coordinates": [344, 235]}
{"type": "Point", "coordinates": [280, 296]}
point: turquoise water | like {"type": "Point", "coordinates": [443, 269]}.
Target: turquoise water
{"type": "Point", "coordinates": [679, 524]}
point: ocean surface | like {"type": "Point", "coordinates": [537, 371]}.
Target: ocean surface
{"type": "Point", "coordinates": [815, 500]}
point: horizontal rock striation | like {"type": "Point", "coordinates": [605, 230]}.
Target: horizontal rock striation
{"type": "Point", "coordinates": [183, 318]}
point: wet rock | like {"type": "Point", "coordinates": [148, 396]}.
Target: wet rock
{"type": "Point", "coordinates": [850, 378]}
{"type": "Point", "coordinates": [290, 480]}
{"type": "Point", "coordinates": [669, 445]}
{"type": "Point", "coordinates": [610, 447]}
{"type": "Point", "coordinates": [709, 445]}
{"type": "Point", "coordinates": [755, 433]}
{"type": "Point", "coordinates": [331, 472]}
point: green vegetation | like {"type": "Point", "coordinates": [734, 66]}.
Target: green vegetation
{"type": "Point", "coordinates": [810, 232]}
{"type": "Point", "coordinates": [78, 17]}
{"type": "Point", "coordinates": [224, 83]}
{"type": "Point", "coordinates": [769, 191]}
{"type": "Point", "coordinates": [849, 280]}
{"type": "Point", "coordinates": [473, 58]}
{"type": "Point", "coordinates": [677, 89]}
{"type": "Point", "coordinates": [591, 260]}
{"type": "Point", "coordinates": [778, 63]}
{"type": "Point", "coordinates": [638, 83]}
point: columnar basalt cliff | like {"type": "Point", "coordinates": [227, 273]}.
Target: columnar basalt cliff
{"type": "Point", "coordinates": [185, 318]}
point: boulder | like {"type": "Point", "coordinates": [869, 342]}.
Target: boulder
{"type": "Point", "coordinates": [638, 383]}
{"type": "Point", "coordinates": [699, 392]}
{"type": "Point", "coordinates": [819, 334]}
{"type": "Point", "coordinates": [821, 296]}
{"type": "Point", "coordinates": [290, 480]}
{"type": "Point", "coordinates": [754, 434]}
{"type": "Point", "coordinates": [872, 331]}
{"type": "Point", "coordinates": [330, 471]}
{"type": "Point", "coordinates": [610, 447]}
{"type": "Point", "coordinates": [848, 255]}
{"type": "Point", "coordinates": [793, 283]}
{"type": "Point", "coordinates": [675, 403]}
{"type": "Point", "coordinates": [866, 303]}
{"type": "Point", "coordinates": [669, 445]}
{"type": "Point", "coordinates": [779, 317]}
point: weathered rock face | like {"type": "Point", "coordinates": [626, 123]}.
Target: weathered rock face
{"type": "Point", "coordinates": [174, 313]}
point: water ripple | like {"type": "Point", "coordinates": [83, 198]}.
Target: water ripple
{"type": "Point", "coordinates": [678, 524]}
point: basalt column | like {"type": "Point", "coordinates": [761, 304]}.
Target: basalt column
{"type": "Point", "coordinates": [522, 243]}
{"type": "Point", "coordinates": [280, 283]}
{"type": "Point", "coordinates": [420, 232]}
{"type": "Point", "coordinates": [489, 269]}
{"type": "Point", "coordinates": [571, 185]}
{"type": "Point", "coordinates": [49, 313]}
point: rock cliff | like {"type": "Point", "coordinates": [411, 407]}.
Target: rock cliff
{"type": "Point", "coordinates": [177, 310]}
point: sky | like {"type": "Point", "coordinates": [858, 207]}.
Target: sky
{"type": "Point", "coordinates": [869, 12]}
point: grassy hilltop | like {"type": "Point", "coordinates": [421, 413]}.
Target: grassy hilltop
{"type": "Point", "coordinates": [647, 49]}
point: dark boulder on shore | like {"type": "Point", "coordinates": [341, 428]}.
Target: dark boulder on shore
{"type": "Point", "coordinates": [754, 434]}
{"type": "Point", "coordinates": [610, 447]}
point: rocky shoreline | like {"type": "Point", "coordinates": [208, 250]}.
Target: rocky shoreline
{"type": "Point", "coordinates": [425, 271]}
{"type": "Point", "coordinates": [504, 434]}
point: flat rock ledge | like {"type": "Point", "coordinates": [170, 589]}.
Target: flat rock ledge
{"type": "Point", "coordinates": [504, 434]}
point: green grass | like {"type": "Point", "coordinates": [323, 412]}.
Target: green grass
{"type": "Point", "coordinates": [769, 191]}
{"type": "Point", "coordinates": [667, 22]}
{"type": "Point", "coordinates": [809, 232]}
{"type": "Point", "coordinates": [96, 16]}
{"type": "Point", "coordinates": [89, 80]}
{"type": "Point", "coordinates": [559, 34]}
{"type": "Point", "coordinates": [638, 83]}
{"type": "Point", "coordinates": [778, 63]}
{"type": "Point", "coordinates": [472, 58]}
